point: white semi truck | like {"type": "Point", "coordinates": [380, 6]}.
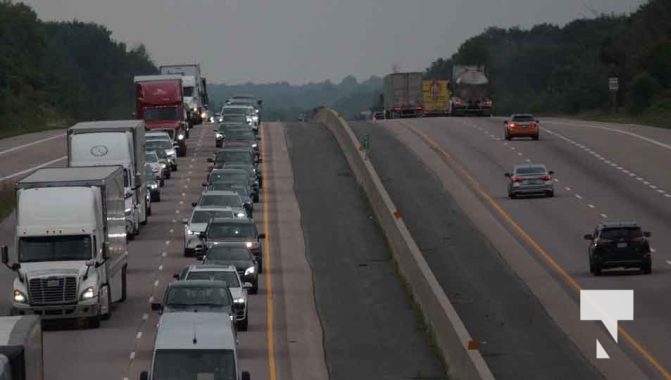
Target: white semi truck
{"type": "Point", "coordinates": [70, 243]}
{"type": "Point", "coordinates": [195, 88]}
{"type": "Point", "coordinates": [21, 348]}
{"type": "Point", "coordinates": [115, 142]}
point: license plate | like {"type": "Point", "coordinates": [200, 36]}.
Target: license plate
{"type": "Point", "coordinates": [536, 182]}
{"type": "Point", "coordinates": [621, 245]}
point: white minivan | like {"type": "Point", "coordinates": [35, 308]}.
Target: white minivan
{"type": "Point", "coordinates": [194, 346]}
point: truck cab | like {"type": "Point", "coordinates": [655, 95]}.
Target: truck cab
{"type": "Point", "coordinates": [194, 345]}
{"type": "Point", "coordinates": [69, 264]}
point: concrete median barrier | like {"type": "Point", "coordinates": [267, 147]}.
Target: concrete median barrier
{"type": "Point", "coordinates": [458, 350]}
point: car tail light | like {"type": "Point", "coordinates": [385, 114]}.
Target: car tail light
{"type": "Point", "coordinates": [397, 108]}
{"type": "Point", "coordinates": [546, 178]}
{"type": "Point", "coordinates": [517, 179]}
{"type": "Point", "coordinates": [419, 108]}
{"type": "Point", "coordinates": [511, 125]}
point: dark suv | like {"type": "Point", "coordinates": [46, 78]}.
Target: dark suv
{"type": "Point", "coordinates": [619, 245]}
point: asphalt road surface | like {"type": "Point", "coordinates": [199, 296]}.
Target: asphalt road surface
{"type": "Point", "coordinates": [370, 328]}
{"type": "Point", "coordinates": [603, 172]}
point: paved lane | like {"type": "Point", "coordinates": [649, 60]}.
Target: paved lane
{"type": "Point", "coordinates": [604, 173]}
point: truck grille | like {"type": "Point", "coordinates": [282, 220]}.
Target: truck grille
{"type": "Point", "coordinates": [52, 291]}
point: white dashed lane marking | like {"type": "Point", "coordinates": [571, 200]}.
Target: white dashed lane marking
{"type": "Point", "coordinates": [604, 216]}
{"type": "Point", "coordinates": [578, 196]}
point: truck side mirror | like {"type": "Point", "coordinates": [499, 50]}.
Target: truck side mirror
{"type": "Point", "coordinates": [155, 306]}
{"type": "Point", "coordinates": [588, 237]}
{"type": "Point", "coordinates": [175, 276]}
{"type": "Point", "coordinates": [505, 121]}
{"type": "Point", "coordinates": [106, 250]}
{"type": "Point", "coordinates": [194, 204]}
{"type": "Point", "coordinates": [210, 160]}
{"type": "Point", "coordinates": [262, 236]}
{"type": "Point", "coordinates": [144, 375]}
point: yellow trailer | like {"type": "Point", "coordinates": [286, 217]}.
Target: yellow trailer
{"type": "Point", "coordinates": [436, 97]}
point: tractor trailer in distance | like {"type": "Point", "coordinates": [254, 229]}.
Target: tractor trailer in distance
{"type": "Point", "coordinates": [436, 95]}
{"type": "Point", "coordinates": [195, 88]}
{"type": "Point", "coordinates": [160, 103]}
{"type": "Point", "coordinates": [115, 142]}
{"type": "Point", "coordinates": [403, 97]}
{"type": "Point", "coordinates": [70, 237]}
{"type": "Point", "coordinates": [21, 356]}
{"type": "Point", "coordinates": [470, 90]}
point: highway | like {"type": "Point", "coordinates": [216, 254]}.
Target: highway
{"type": "Point", "coordinates": [602, 173]}
{"type": "Point", "coordinates": [350, 326]}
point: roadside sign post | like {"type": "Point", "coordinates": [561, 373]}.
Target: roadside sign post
{"type": "Point", "coordinates": [613, 88]}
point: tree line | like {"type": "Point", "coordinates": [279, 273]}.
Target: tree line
{"type": "Point", "coordinates": [565, 70]}
{"type": "Point", "coordinates": [54, 73]}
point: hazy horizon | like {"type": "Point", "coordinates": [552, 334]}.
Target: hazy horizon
{"type": "Point", "coordinates": [301, 41]}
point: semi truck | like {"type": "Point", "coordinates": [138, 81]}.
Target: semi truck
{"type": "Point", "coordinates": [160, 103]}
{"type": "Point", "coordinates": [436, 96]}
{"type": "Point", "coordinates": [195, 88]}
{"type": "Point", "coordinates": [470, 91]}
{"type": "Point", "coordinates": [115, 142]}
{"type": "Point", "coordinates": [403, 96]}
{"type": "Point", "coordinates": [70, 242]}
{"type": "Point", "coordinates": [21, 356]}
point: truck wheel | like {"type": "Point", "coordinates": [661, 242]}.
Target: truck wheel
{"type": "Point", "coordinates": [124, 288]}
{"type": "Point", "coordinates": [535, 137]}
{"type": "Point", "coordinates": [647, 268]}
{"type": "Point", "coordinates": [93, 322]}
{"type": "Point", "coordinates": [255, 288]}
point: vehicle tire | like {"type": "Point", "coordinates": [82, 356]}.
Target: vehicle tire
{"type": "Point", "coordinates": [597, 270]}
{"type": "Point", "coordinates": [218, 144]}
{"type": "Point", "coordinates": [188, 252]}
{"type": "Point", "coordinates": [255, 288]}
{"type": "Point", "coordinates": [647, 268]}
{"type": "Point", "coordinates": [124, 284]}
{"type": "Point", "coordinates": [107, 316]}
{"type": "Point", "coordinates": [550, 194]}
{"type": "Point", "coordinates": [535, 137]}
{"type": "Point", "coordinates": [244, 324]}
{"type": "Point", "coordinates": [174, 168]}
{"type": "Point", "coordinates": [260, 268]}
{"type": "Point", "coordinates": [148, 211]}
{"type": "Point", "coordinates": [161, 182]}
{"type": "Point", "coordinates": [167, 176]}
{"type": "Point", "coordinates": [507, 136]}
{"type": "Point", "coordinates": [512, 195]}
{"type": "Point", "coordinates": [93, 322]}
{"type": "Point", "coordinates": [256, 198]}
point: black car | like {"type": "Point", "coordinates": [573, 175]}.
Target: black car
{"type": "Point", "coordinates": [240, 257]}
{"type": "Point", "coordinates": [235, 231]}
{"type": "Point", "coordinates": [196, 295]}
{"type": "Point", "coordinates": [619, 245]}
{"type": "Point", "coordinates": [242, 189]}
{"type": "Point", "coordinates": [226, 128]}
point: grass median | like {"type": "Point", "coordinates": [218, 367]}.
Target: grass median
{"type": "Point", "coordinates": [7, 199]}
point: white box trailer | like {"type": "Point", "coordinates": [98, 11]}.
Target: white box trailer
{"type": "Point", "coordinates": [21, 355]}
{"type": "Point", "coordinates": [115, 142]}
{"type": "Point", "coordinates": [70, 243]}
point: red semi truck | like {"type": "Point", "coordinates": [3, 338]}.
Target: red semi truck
{"type": "Point", "coordinates": [159, 101]}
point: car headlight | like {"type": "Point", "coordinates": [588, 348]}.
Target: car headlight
{"type": "Point", "coordinates": [203, 115]}
{"type": "Point", "coordinates": [219, 136]}
{"type": "Point", "coordinates": [241, 215]}
{"type": "Point", "coordinates": [128, 211]}
{"type": "Point", "coordinates": [153, 186]}
{"type": "Point", "coordinates": [239, 300]}
{"type": "Point", "coordinates": [189, 232]}
{"type": "Point", "coordinates": [180, 137]}
{"type": "Point", "coordinates": [19, 297]}
{"type": "Point", "coordinates": [170, 152]}
{"type": "Point", "coordinates": [255, 145]}
{"type": "Point", "coordinates": [164, 165]}
{"type": "Point", "coordinates": [89, 293]}
{"type": "Point", "coordinates": [195, 109]}
{"type": "Point", "coordinates": [250, 270]}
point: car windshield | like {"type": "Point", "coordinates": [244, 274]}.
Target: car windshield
{"type": "Point", "coordinates": [151, 157]}
{"type": "Point", "coordinates": [203, 216]}
{"type": "Point", "coordinates": [230, 127]}
{"type": "Point", "coordinates": [162, 113]}
{"type": "Point", "coordinates": [523, 118]}
{"type": "Point", "coordinates": [231, 230]}
{"type": "Point", "coordinates": [621, 233]}
{"type": "Point", "coordinates": [158, 144]}
{"type": "Point", "coordinates": [188, 91]}
{"type": "Point", "coordinates": [240, 135]}
{"type": "Point", "coordinates": [198, 296]}
{"type": "Point", "coordinates": [229, 186]}
{"type": "Point", "coordinates": [220, 200]}
{"type": "Point", "coordinates": [234, 117]}
{"type": "Point", "coordinates": [55, 248]}
{"type": "Point", "coordinates": [194, 364]}
{"type": "Point", "coordinates": [531, 170]}
{"type": "Point", "coordinates": [229, 277]}
{"type": "Point", "coordinates": [235, 111]}
{"type": "Point", "coordinates": [235, 176]}
{"type": "Point", "coordinates": [234, 156]}
{"type": "Point", "coordinates": [227, 254]}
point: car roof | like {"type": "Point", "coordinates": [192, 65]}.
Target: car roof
{"type": "Point", "coordinates": [228, 170]}
{"type": "Point", "coordinates": [219, 192]}
{"type": "Point", "coordinates": [194, 330]}
{"type": "Point", "coordinates": [231, 221]}
{"type": "Point", "coordinates": [615, 224]}
{"type": "Point", "coordinates": [522, 115]}
{"type": "Point", "coordinates": [523, 166]}
{"type": "Point", "coordinates": [197, 284]}
{"type": "Point", "coordinates": [211, 267]}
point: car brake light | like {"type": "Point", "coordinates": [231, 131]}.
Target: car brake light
{"type": "Point", "coordinates": [517, 179]}
{"type": "Point", "coordinates": [419, 107]}
{"type": "Point", "coordinates": [511, 125]}
{"type": "Point", "coordinates": [546, 178]}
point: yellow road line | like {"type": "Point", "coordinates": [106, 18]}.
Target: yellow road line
{"type": "Point", "coordinates": [529, 240]}
{"type": "Point", "coordinates": [272, 369]}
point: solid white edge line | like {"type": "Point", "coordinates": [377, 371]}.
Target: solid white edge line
{"type": "Point", "coordinates": [29, 170]}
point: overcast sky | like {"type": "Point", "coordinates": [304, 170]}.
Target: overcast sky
{"type": "Point", "coordinates": [311, 40]}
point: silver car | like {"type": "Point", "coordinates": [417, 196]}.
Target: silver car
{"type": "Point", "coordinates": [193, 226]}
{"type": "Point", "coordinates": [224, 199]}
{"type": "Point", "coordinates": [530, 179]}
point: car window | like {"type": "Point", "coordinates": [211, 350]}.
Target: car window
{"type": "Point", "coordinates": [205, 216]}
{"type": "Point", "coordinates": [198, 295]}
{"type": "Point", "coordinates": [228, 253]}
{"type": "Point", "coordinates": [231, 230]}
{"type": "Point", "coordinates": [621, 233]}
{"type": "Point", "coordinates": [523, 118]}
{"type": "Point", "coordinates": [531, 170]}
{"type": "Point", "coordinates": [221, 200]}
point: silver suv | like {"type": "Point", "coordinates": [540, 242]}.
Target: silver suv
{"type": "Point", "coordinates": [530, 179]}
